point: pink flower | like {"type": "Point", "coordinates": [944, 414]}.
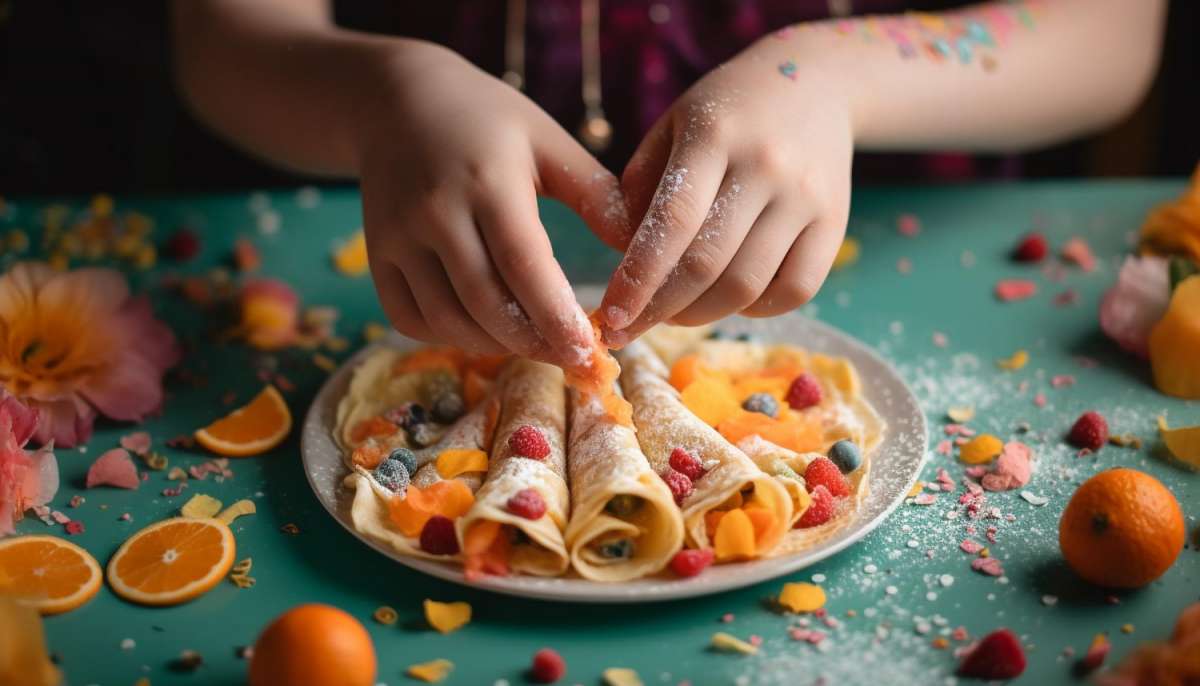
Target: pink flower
{"type": "Point", "coordinates": [269, 314]}
{"type": "Point", "coordinates": [1136, 302]}
{"type": "Point", "coordinates": [26, 479]}
{"type": "Point", "coordinates": [77, 344]}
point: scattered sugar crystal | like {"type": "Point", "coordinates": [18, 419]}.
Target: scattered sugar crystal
{"type": "Point", "coordinates": [1049, 600]}
{"type": "Point", "coordinates": [931, 596]}
{"type": "Point", "coordinates": [946, 580]}
{"type": "Point", "coordinates": [870, 568]}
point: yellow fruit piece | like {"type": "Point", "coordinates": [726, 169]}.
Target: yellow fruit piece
{"type": "Point", "coordinates": [621, 676]}
{"type": "Point", "coordinates": [1184, 443]}
{"type": "Point", "coordinates": [734, 539]}
{"type": "Point", "coordinates": [1018, 360]}
{"type": "Point", "coordinates": [241, 507]}
{"type": "Point", "coordinates": [802, 597]}
{"type": "Point", "coordinates": [980, 450]}
{"type": "Point", "coordinates": [447, 617]}
{"type": "Point", "coordinates": [961, 415]}
{"type": "Point", "coordinates": [431, 672]}
{"type": "Point", "coordinates": [47, 573]}
{"type": "Point", "coordinates": [1174, 342]}
{"type": "Point", "coordinates": [23, 656]}
{"type": "Point", "coordinates": [201, 506]}
{"type": "Point", "coordinates": [249, 430]}
{"type": "Point", "coordinates": [837, 371]}
{"type": "Point", "coordinates": [731, 644]}
{"type": "Point", "coordinates": [847, 253]}
{"type": "Point", "coordinates": [916, 489]}
{"type": "Point", "coordinates": [172, 561]}
{"type": "Point", "coordinates": [351, 258]}
{"type": "Point", "coordinates": [1173, 228]}
{"type": "Point", "coordinates": [451, 463]}
{"type": "Point", "coordinates": [774, 386]}
{"type": "Point", "coordinates": [711, 399]}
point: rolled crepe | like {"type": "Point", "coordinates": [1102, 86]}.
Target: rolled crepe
{"type": "Point", "coordinates": [532, 394]}
{"type": "Point", "coordinates": [785, 465]}
{"type": "Point", "coordinates": [624, 523]}
{"type": "Point", "coordinates": [732, 483]}
{"type": "Point", "coordinates": [369, 511]}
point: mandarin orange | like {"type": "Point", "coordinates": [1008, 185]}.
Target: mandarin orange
{"type": "Point", "coordinates": [313, 645]}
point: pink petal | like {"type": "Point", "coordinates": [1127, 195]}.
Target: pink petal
{"type": "Point", "coordinates": [987, 565]}
{"type": "Point", "coordinates": [41, 480]}
{"type": "Point", "coordinates": [1077, 250]}
{"type": "Point", "coordinates": [137, 442]}
{"type": "Point", "coordinates": [95, 291]}
{"type": "Point", "coordinates": [970, 547]}
{"type": "Point", "coordinates": [19, 286]}
{"type": "Point", "coordinates": [1008, 290]}
{"type": "Point", "coordinates": [148, 336]}
{"type": "Point", "coordinates": [113, 468]}
{"type": "Point", "coordinates": [129, 389]}
{"type": "Point", "coordinates": [1012, 468]}
{"type": "Point", "coordinates": [23, 418]}
{"type": "Point", "coordinates": [66, 422]}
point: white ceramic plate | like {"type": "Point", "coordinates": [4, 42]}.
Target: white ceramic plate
{"type": "Point", "coordinates": [894, 468]}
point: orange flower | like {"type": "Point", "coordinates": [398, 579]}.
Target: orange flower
{"type": "Point", "coordinates": [269, 314]}
{"type": "Point", "coordinates": [74, 344]}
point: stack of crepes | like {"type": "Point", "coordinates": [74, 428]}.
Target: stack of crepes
{"type": "Point", "coordinates": [592, 496]}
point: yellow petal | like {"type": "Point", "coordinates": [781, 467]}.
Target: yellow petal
{"type": "Point", "coordinates": [430, 672]}
{"type": "Point", "coordinates": [802, 597]}
{"type": "Point", "coordinates": [447, 617]}
{"type": "Point", "coordinates": [451, 463]}
{"type": "Point", "coordinates": [731, 644]}
{"type": "Point", "coordinates": [200, 506]}
{"type": "Point", "coordinates": [241, 507]}
{"type": "Point", "coordinates": [1184, 443]}
{"type": "Point", "coordinates": [1016, 361]}
{"type": "Point", "coordinates": [734, 538]}
{"type": "Point", "coordinates": [980, 450]}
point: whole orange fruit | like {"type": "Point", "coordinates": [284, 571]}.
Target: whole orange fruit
{"type": "Point", "coordinates": [313, 645]}
{"type": "Point", "coordinates": [1121, 529]}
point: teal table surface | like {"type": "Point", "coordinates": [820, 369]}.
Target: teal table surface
{"type": "Point", "coordinates": [892, 595]}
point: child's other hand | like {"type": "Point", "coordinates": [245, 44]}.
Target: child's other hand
{"type": "Point", "coordinates": [743, 191]}
{"type": "Point", "coordinates": [452, 162]}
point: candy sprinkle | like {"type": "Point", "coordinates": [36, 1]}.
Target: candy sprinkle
{"type": "Point", "coordinates": [801, 597]}
{"type": "Point", "coordinates": [1014, 362]}
{"type": "Point", "coordinates": [621, 676]}
{"type": "Point", "coordinates": [447, 617]}
{"type": "Point", "coordinates": [727, 643]}
{"type": "Point", "coordinates": [430, 672]}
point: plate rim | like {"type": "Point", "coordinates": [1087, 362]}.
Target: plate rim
{"type": "Point", "coordinates": [640, 590]}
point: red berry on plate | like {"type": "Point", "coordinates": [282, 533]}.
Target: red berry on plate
{"type": "Point", "coordinates": [998, 655]}
{"type": "Point", "coordinates": [804, 392]}
{"type": "Point", "coordinates": [823, 472]}
{"type": "Point", "coordinates": [1090, 431]}
{"type": "Point", "coordinates": [527, 503]}
{"type": "Point", "coordinates": [691, 562]}
{"type": "Point", "coordinates": [819, 511]}
{"type": "Point", "coordinates": [438, 536]}
{"type": "Point", "coordinates": [680, 485]}
{"type": "Point", "coordinates": [685, 463]}
{"type": "Point", "coordinates": [1032, 248]}
{"type": "Point", "coordinates": [548, 667]}
{"type": "Point", "coordinates": [528, 441]}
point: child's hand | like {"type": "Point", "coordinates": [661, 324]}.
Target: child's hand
{"type": "Point", "coordinates": [452, 163]}
{"type": "Point", "coordinates": [744, 186]}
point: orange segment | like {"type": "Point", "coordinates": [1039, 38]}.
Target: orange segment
{"type": "Point", "coordinates": [48, 573]}
{"type": "Point", "coordinates": [249, 430]}
{"type": "Point", "coordinates": [451, 498]}
{"type": "Point", "coordinates": [172, 561]}
{"type": "Point", "coordinates": [428, 359]}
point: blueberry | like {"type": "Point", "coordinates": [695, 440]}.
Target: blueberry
{"type": "Point", "coordinates": [623, 505]}
{"type": "Point", "coordinates": [392, 475]}
{"type": "Point", "coordinates": [746, 337]}
{"type": "Point", "coordinates": [448, 407]}
{"type": "Point", "coordinates": [406, 458]}
{"type": "Point", "coordinates": [846, 455]}
{"type": "Point", "coordinates": [763, 403]}
{"type": "Point", "coordinates": [717, 334]}
{"type": "Point", "coordinates": [619, 549]}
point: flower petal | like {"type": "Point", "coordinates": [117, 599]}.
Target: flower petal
{"type": "Point", "coordinates": [23, 419]}
{"type": "Point", "coordinates": [1136, 302]}
{"type": "Point", "coordinates": [146, 335]}
{"type": "Point", "coordinates": [41, 479]}
{"type": "Point", "coordinates": [128, 390]}
{"type": "Point", "coordinates": [66, 422]}
{"type": "Point", "coordinates": [93, 291]}
{"type": "Point", "coordinates": [19, 286]}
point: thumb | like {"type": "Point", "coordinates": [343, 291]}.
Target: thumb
{"type": "Point", "coordinates": [569, 173]}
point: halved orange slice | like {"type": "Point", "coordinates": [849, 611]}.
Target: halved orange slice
{"type": "Point", "coordinates": [249, 430]}
{"type": "Point", "coordinates": [172, 561]}
{"type": "Point", "coordinates": [48, 573]}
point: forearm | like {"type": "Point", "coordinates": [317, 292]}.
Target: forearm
{"type": "Point", "coordinates": [279, 79]}
{"type": "Point", "coordinates": [1026, 75]}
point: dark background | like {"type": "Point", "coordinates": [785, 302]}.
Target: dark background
{"type": "Point", "coordinates": [87, 104]}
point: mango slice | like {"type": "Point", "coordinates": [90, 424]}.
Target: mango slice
{"type": "Point", "coordinates": [456, 461]}
{"type": "Point", "coordinates": [410, 512]}
{"type": "Point", "coordinates": [734, 538]}
{"type": "Point", "coordinates": [447, 617]}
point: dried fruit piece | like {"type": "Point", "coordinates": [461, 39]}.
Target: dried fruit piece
{"type": "Point", "coordinates": [734, 538]}
{"type": "Point", "coordinates": [430, 672]}
{"type": "Point", "coordinates": [113, 468]}
{"type": "Point", "coordinates": [731, 644]}
{"type": "Point", "coordinates": [980, 450]}
{"type": "Point", "coordinates": [351, 257]}
{"type": "Point", "coordinates": [1078, 251]}
{"type": "Point", "coordinates": [1096, 653]}
{"type": "Point", "coordinates": [453, 462]}
{"type": "Point", "coordinates": [961, 415]}
{"type": "Point", "coordinates": [450, 498]}
{"type": "Point", "coordinates": [796, 431]}
{"type": "Point", "coordinates": [801, 597]}
{"type": "Point", "coordinates": [1174, 342]}
{"type": "Point", "coordinates": [386, 615]}
{"type": "Point", "coordinates": [998, 655]}
{"type": "Point", "coordinates": [201, 506]}
{"type": "Point", "coordinates": [1014, 362]}
{"type": "Point", "coordinates": [447, 617]}
{"type": "Point", "coordinates": [1009, 290]}
{"type": "Point", "coordinates": [621, 676]}
{"type": "Point", "coordinates": [1184, 443]}
{"type": "Point", "coordinates": [711, 399]}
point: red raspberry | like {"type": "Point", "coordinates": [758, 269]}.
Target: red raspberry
{"type": "Point", "coordinates": [998, 655]}
{"type": "Point", "coordinates": [527, 503]}
{"type": "Point", "coordinates": [1090, 431]}
{"type": "Point", "coordinates": [548, 667]}
{"type": "Point", "coordinates": [819, 511]}
{"type": "Point", "coordinates": [679, 483]}
{"type": "Point", "coordinates": [691, 562]}
{"type": "Point", "coordinates": [823, 472]}
{"type": "Point", "coordinates": [528, 441]}
{"type": "Point", "coordinates": [804, 392]}
{"type": "Point", "coordinates": [183, 245]}
{"type": "Point", "coordinates": [686, 464]}
{"type": "Point", "coordinates": [438, 536]}
{"type": "Point", "coordinates": [1032, 248]}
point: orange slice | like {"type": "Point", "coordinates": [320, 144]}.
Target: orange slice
{"type": "Point", "coordinates": [172, 561]}
{"type": "Point", "coordinates": [251, 429]}
{"type": "Point", "coordinates": [48, 573]}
